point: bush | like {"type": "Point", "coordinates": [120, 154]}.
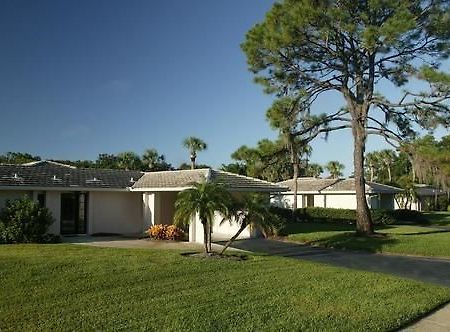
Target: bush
{"type": "Point", "coordinates": [165, 232]}
{"type": "Point", "coordinates": [24, 221]}
{"type": "Point", "coordinates": [409, 215]}
{"type": "Point", "coordinates": [329, 215]}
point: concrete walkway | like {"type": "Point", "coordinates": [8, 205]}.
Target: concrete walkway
{"type": "Point", "coordinates": [431, 270]}
{"type": "Point", "coordinates": [438, 321]}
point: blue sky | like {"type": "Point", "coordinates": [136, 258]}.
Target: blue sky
{"type": "Point", "coordinates": [79, 78]}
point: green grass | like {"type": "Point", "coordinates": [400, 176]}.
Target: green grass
{"type": "Point", "coordinates": [438, 218]}
{"type": "Point", "coordinates": [70, 287]}
{"type": "Point", "coordinates": [410, 240]}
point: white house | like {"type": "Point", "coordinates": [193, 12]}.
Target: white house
{"type": "Point", "coordinates": [334, 193]}
{"type": "Point", "coordinates": [92, 201]}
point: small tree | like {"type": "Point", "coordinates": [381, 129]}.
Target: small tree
{"type": "Point", "coordinates": [24, 220]}
{"type": "Point", "coordinates": [251, 210]}
{"type": "Point", "coordinates": [204, 199]}
{"type": "Point", "coordinates": [194, 145]}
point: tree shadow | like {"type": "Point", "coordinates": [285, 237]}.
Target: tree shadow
{"type": "Point", "coordinates": [352, 241]}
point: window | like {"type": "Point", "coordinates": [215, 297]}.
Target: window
{"type": "Point", "coordinates": [308, 200]}
{"type": "Point", "coordinates": [41, 199]}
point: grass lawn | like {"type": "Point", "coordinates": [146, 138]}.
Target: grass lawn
{"type": "Point", "coordinates": [411, 240]}
{"type": "Point", "coordinates": [438, 218]}
{"type": "Point", "coordinates": [70, 287]}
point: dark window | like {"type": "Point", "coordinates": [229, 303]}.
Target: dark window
{"type": "Point", "coordinates": [41, 199]}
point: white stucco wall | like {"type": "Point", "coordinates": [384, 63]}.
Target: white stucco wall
{"type": "Point", "coordinates": [341, 201]}
{"type": "Point", "coordinates": [338, 201]}
{"type": "Point", "coordinates": [115, 212]}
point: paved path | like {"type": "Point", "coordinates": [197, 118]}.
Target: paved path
{"type": "Point", "coordinates": [438, 321]}
{"type": "Point", "coordinates": [424, 269]}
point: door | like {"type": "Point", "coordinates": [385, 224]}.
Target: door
{"type": "Point", "coordinates": [73, 213]}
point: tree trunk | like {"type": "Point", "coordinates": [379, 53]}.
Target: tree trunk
{"type": "Point", "coordinates": [371, 173]}
{"type": "Point", "coordinates": [389, 173]}
{"type": "Point", "coordinates": [233, 238]}
{"type": "Point", "coordinates": [209, 236]}
{"type": "Point", "coordinates": [295, 204]}
{"type": "Point", "coordinates": [364, 224]}
{"type": "Point", "coordinates": [192, 162]}
{"type": "Point", "coordinates": [205, 236]}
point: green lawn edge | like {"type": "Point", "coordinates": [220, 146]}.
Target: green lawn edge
{"type": "Point", "coordinates": [73, 287]}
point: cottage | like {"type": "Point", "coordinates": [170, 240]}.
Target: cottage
{"type": "Point", "coordinates": [334, 193]}
{"type": "Point", "coordinates": [92, 201]}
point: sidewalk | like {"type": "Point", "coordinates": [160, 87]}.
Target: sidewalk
{"type": "Point", "coordinates": [436, 322]}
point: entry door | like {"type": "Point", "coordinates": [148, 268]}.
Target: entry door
{"type": "Point", "coordinates": [73, 213]}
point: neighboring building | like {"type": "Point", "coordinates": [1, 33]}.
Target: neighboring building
{"type": "Point", "coordinates": [426, 196]}
{"type": "Point", "coordinates": [334, 193]}
{"type": "Point", "coordinates": [91, 201]}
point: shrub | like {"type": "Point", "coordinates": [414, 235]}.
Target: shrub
{"type": "Point", "coordinates": [409, 215]}
{"type": "Point", "coordinates": [24, 221]}
{"type": "Point", "coordinates": [165, 232]}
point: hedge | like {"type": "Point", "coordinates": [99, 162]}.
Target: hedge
{"type": "Point", "coordinates": [346, 216]}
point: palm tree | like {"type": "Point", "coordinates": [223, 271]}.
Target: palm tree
{"type": "Point", "coordinates": [372, 162]}
{"type": "Point", "coordinates": [252, 210]}
{"type": "Point", "coordinates": [314, 170]}
{"type": "Point", "coordinates": [153, 161]}
{"type": "Point", "coordinates": [129, 160]}
{"type": "Point", "coordinates": [283, 115]}
{"type": "Point", "coordinates": [194, 145]}
{"type": "Point", "coordinates": [388, 158]}
{"type": "Point", "coordinates": [335, 169]}
{"type": "Point", "coordinates": [150, 158]}
{"type": "Point", "coordinates": [203, 199]}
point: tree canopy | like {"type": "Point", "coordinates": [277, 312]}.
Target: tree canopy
{"type": "Point", "coordinates": [305, 48]}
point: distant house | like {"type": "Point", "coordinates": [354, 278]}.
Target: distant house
{"type": "Point", "coordinates": [334, 193]}
{"type": "Point", "coordinates": [426, 196]}
{"type": "Point", "coordinates": [90, 201]}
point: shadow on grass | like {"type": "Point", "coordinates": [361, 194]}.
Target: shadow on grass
{"type": "Point", "coordinates": [352, 241]}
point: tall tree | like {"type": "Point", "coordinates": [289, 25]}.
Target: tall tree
{"type": "Point", "coordinates": [335, 169]}
{"type": "Point", "coordinates": [372, 162]}
{"type": "Point", "coordinates": [388, 158]}
{"type": "Point", "coordinates": [352, 47]}
{"type": "Point", "coordinates": [204, 199]}
{"type": "Point", "coordinates": [283, 115]}
{"type": "Point", "coordinates": [269, 160]}
{"type": "Point", "coordinates": [194, 145]}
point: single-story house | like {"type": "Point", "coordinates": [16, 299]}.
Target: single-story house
{"type": "Point", "coordinates": [426, 195]}
{"type": "Point", "coordinates": [334, 193]}
{"type": "Point", "coordinates": [92, 201]}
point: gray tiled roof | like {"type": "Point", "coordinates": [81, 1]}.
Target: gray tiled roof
{"type": "Point", "coordinates": [54, 175]}
{"type": "Point", "coordinates": [308, 184]}
{"type": "Point", "coordinates": [371, 187]}
{"type": "Point", "coordinates": [426, 190]}
{"type": "Point", "coordinates": [335, 185]}
{"type": "Point", "coordinates": [185, 178]}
